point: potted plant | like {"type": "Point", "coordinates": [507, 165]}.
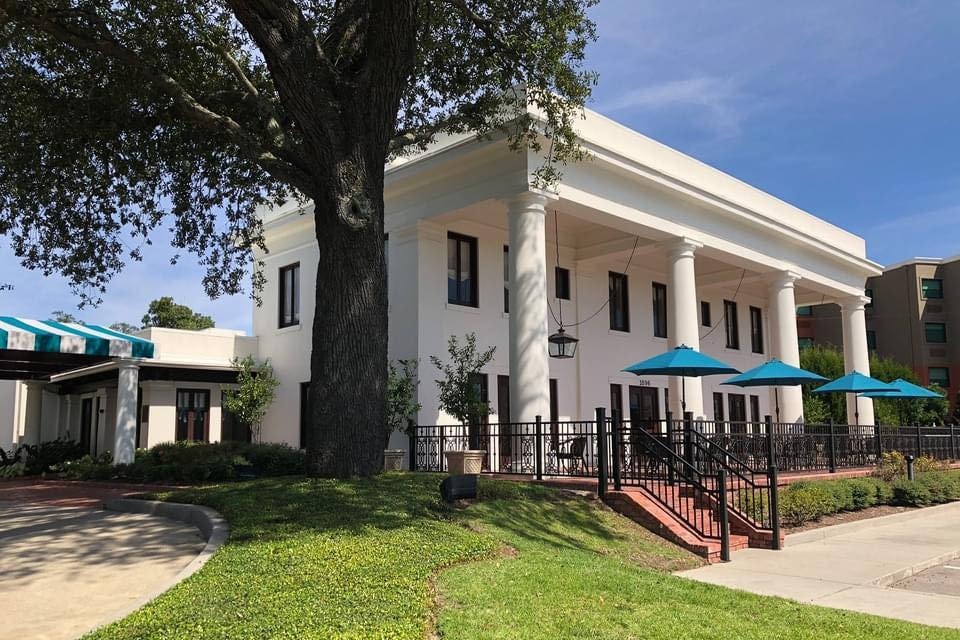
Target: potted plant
{"type": "Point", "coordinates": [459, 396]}
{"type": "Point", "coordinates": [402, 405]}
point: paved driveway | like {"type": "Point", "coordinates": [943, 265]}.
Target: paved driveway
{"type": "Point", "coordinates": [852, 566]}
{"type": "Point", "coordinates": [67, 570]}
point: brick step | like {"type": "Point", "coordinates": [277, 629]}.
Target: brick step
{"type": "Point", "coordinates": [642, 508]}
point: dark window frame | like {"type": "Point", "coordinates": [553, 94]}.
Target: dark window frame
{"type": "Point", "coordinates": [718, 408]}
{"type": "Point", "coordinates": [756, 329]}
{"type": "Point", "coordinates": [291, 319]}
{"type": "Point", "coordinates": [731, 324]}
{"type": "Point", "coordinates": [659, 302]}
{"type": "Point", "coordinates": [473, 275]}
{"type": "Point", "coordinates": [923, 293]}
{"type": "Point", "coordinates": [561, 283]}
{"type": "Point", "coordinates": [805, 310]}
{"type": "Point", "coordinates": [506, 279]}
{"type": "Point", "coordinates": [705, 319]}
{"type": "Point", "coordinates": [619, 304]}
{"type": "Point", "coordinates": [939, 327]}
{"type": "Point", "coordinates": [754, 402]}
{"type": "Point", "coordinates": [871, 340]}
{"type": "Point", "coordinates": [192, 393]}
{"type": "Point", "coordinates": [946, 380]}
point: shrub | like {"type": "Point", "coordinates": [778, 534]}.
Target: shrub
{"type": "Point", "coordinates": [892, 465]}
{"type": "Point", "coordinates": [864, 492]}
{"type": "Point", "coordinates": [13, 470]}
{"type": "Point", "coordinates": [805, 501]}
{"type": "Point", "coordinates": [841, 492]}
{"type": "Point", "coordinates": [192, 462]}
{"type": "Point", "coordinates": [943, 487]}
{"type": "Point", "coordinates": [34, 459]}
{"type": "Point", "coordinates": [911, 493]}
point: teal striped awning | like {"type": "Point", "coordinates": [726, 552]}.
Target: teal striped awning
{"type": "Point", "coordinates": [48, 336]}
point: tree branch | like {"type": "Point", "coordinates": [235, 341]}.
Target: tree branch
{"type": "Point", "coordinates": [185, 103]}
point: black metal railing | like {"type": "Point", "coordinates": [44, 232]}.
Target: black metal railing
{"type": "Point", "coordinates": [643, 456]}
{"type": "Point", "coordinates": [563, 448]}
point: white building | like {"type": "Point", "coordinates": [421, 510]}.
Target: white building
{"type": "Point", "coordinates": [655, 250]}
{"type": "Point", "coordinates": [713, 263]}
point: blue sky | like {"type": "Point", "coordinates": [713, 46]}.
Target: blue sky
{"type": "Point", "coordinates": [849, 109]}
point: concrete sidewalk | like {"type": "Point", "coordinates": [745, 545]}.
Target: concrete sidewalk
{"type": "Point", "coordinates": [68, 570]}
{"type": "Point", "coordinates": [850, 566]}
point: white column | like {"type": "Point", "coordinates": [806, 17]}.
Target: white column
{"type": "Point", "coordinates": [784, 344]}
{"type": "Point", "coordinates": [855, 354]}
{"type": "Point", "coordinates": [682, 324]}
{"type": "Point", "coordinates": [529, 352]}
{"type": "Point", "coordinates": [125, 435]}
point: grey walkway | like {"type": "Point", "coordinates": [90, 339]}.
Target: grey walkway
{"type": "Point", "coordinates": [67, 570]}
{"type": "Point", "coordinates": [851, 566]}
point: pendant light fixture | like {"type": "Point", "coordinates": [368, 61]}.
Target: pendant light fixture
{"type": "Point", "coordinates": [561, 345]}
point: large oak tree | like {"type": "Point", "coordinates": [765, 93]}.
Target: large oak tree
{"type": "Point", "coordinates": [119, 117]}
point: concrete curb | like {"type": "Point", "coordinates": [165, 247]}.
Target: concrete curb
{"type": "Point", "coordinates": [210, 523]}
{"type": "Point", "coordinates": [814, 535]}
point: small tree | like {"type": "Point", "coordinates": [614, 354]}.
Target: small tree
{"type": "Point", "coordinates": [164, 312]}
{"type": "Point", "coordinates": [124, 327]}
{"type": "Point", "coordinates": [256, 388]}
{"type": "Point", "coordinates": [64, 316]}
{"type": "Point", "coordinates": [460, 388]}
{"type": "Point", "coordinates": [402, 402]}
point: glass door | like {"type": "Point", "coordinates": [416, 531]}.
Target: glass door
{"type": "Point", "coordinates": [193, 415]}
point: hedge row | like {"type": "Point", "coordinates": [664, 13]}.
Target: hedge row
{"type": "Point", "coordinates": [809, 500]}
{"type": "Point", "coordinates": [189, 462]}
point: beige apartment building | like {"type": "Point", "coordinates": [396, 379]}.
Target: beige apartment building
{"type": "Point", "coordinates": [913, 317]}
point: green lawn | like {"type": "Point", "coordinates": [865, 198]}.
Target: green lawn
{"type": "Point", "coordinates": [363, 559]}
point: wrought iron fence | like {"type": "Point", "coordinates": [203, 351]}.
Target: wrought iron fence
{"type": "Point", "coordinates": [563, 448]}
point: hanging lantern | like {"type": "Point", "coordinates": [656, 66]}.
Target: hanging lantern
{"type": "Point", "coordinates": [562, 345]}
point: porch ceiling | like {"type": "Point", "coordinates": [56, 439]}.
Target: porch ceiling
{"type": "Point", "coordinates": [16, 364]}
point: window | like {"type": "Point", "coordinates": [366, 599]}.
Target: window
{"type": "Point", "coordinates": [737, 406]}
{"type": "Point", "coordinates": [872, 340]}
{"type": "Point", "coordinates": [231, 427]}
{"type": "Point", "coordinates": [659, 310]}
{"type": "Point", "coordinates": [935, 332]}
{"type": "Point", "coordinates": [506, 279]}
{"type": "Point", "coordinates": [939, 376]}
{"type": "Point", "coordinates": [803, 343]}
{"type": "Point", "coordinates": [562, 282]}
{"type": "Point", "coordinates": [616, 401]}
{"type": "Point", "coordinates": [868, 292]}
{"type": "Point", "coordinates": [756, 330]}
{"type": "Point", "coordinates": [289, 295]}
{"type": "Point", "coordinates": [461, 270]}
{"type": "Point", "coordinates": [931, 288]}
{"type": "Point", "coordinates": [717, 406]}
{"type": "Point", "coordinates": [805, 310]}
{"type": "Point", "coordinates": [754, 408]}
{"type": "Point", "coordinates": [619, 302]}
{"type": "Point", "coordinates": [705, 314]}
{"type": "Point", "coordinates": [731, 325]}
{"type": "Point", "coordinates": [193, 415]}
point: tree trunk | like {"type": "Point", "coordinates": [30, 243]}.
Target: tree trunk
{"type": "Point", "coordinates": [348, 366]}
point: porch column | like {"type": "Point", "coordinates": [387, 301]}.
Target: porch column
{"type": "Point", "coordinates": [785, 346]}
{"type": "Point", "coordinates": [529, 352]}
{"type": "Point", "coordinates": [125, 435]}
{"type": "Point", "coordinates": [855, 354]}
{"type": "Point", "coordinates": [682, 324]}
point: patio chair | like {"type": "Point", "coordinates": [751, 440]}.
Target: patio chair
{"type": "Point", "coordinates": [574, 450]}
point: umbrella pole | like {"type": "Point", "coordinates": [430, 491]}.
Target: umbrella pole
{"type": "Point", "coordinates": [776, 401]}
{"type": "Point", "coordinates": [683, 393]}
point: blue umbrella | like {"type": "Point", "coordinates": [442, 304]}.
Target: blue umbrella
{"type": "Point", "coordinates": [855, 382]}
{"type": "Point", "coordinates": [775, 373]}
{"type": "Point", "coordinates": [904, 390]}
{"type": "Point", "coordinates": [682, 361]}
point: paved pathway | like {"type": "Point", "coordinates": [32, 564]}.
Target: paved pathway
{"type": "Point", "coordinates": [67, 570]}
{"type": "Point", "coordinates": [850, 566]}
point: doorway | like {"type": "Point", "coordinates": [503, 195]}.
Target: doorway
{"type": "Point", "coordinates": [737, 404]}
{"type": "Point", "coordinates": [86, 424]}
{"type": "Point", "coordinates": [193, 415]}
{"type": "Point", "coordinates": [645, 408]}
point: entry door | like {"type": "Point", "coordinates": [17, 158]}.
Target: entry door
{"type": "Point", "coordinates": [738, 412]}
{"type": "Point", "coordinates": [86, 423]}
{"type": "Point", "coordinates": [645, 408]}
{"type": "Point", "coordinates": [193, 414]}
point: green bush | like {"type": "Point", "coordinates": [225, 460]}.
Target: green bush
{"type": "Point", "coordinates": [841, 492]}
{"type": "Point", "coordinates": [34, 459]}
{"type": "Point", "coordinates": [805, 501]}
{"type": "Point", "coordinates": [864, 492]}
{"type": "Point", "coordinates": [192, 463]}
{"type": "Point", "coordinates": [910, 493]}
{"type": "Point", "coordinates": [13, 470]}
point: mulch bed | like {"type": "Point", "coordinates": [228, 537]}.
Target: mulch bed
{"type": "Point", "coordinates": [848, 516]}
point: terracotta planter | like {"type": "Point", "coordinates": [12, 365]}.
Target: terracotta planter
{"type": "Point", "coordinates": [393, 459]}
{"type": "Point", "coordinates": [465, 462]}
